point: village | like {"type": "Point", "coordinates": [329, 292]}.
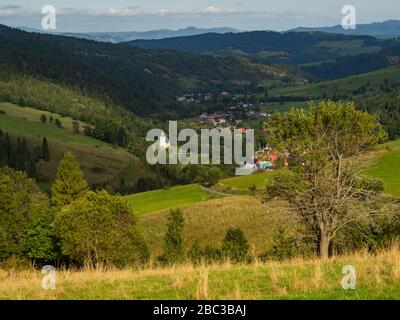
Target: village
{"type": "Point", "coordinates": [235, 116]}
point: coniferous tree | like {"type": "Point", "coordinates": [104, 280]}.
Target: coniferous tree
{"type": "Point", "coordinates": [19, 163]}
{"type": "Point", "coordinates": [24, 154]}
{"type": "Point", "coordinates": [7, 149]}
{"type": "Point", "coordinates": [58, 123]}
{"type": "Point", "coordinates": [45, 150]}
{"type": "Point", "coordinates": [235, 246]}
{"type": "Point", "coordinates": [70, 183]}
{"type": "Point", "coordinates": [2, 149]}
{"type": "Point", "coordinates": [43, 118]}
{"type": "Point", "coordinates": [75, 126]}
{"type": "Point", "coordinates": [173, 240]}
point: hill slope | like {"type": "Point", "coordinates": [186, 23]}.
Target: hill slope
{"type": "Point", "coordinates": [102, 163]}
{"type": "Point", "coordinates": [371, 81]}
{"type": "Point", "coordinates": [292, 47]}
{"type": "Point", "coordinates": [143, 81]}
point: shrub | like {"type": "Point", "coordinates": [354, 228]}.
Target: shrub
{"type": "Point", "coordinates": [173, 240]}
{"type": "Point", "coordinates": [99, 228]}
{"type": "Point", "coordinates": [235, 246]}
{"type": "Point", "coordinates": [284, 247]}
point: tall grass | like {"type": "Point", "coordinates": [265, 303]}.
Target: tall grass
{"type": "Point", "coordinates": [378, 277]}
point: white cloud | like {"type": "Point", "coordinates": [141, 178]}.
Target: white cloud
{"type": "Point", "coordinates": [164, 12]}
{"type": "Point", "coordinates": [213, 9]}
{"type": "Point", "coordinates": [123, 12]}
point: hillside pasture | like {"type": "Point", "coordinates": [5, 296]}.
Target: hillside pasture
{"type": "Point", "coordinates": [377, 278]}
{"type": "Point", "coordinates": [100, 161]}
{"type": "Point", "coordinates": [341, 86]}
{"type": "Point", "coordinates": [207, 222]}
{"type": "Point", "coordinates": [169, 198]}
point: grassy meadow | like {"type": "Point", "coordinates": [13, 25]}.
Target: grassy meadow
{"type": "Point", "coordinates": [166, 199]}
{"type": "Point", "coordinates": [242, 184]}
{"type": "Point", "coordinates": [341, 86]}
{"type": "Point", "coordinates": [378, 277]}
{"type": "Point", "coordinates": [34, 115]}
{"type": "Point", "coordinates": [207, 223]}
{"type": "Point", "coordinates": [100, 161]}
{"type": "Point", "coordinates": [386, 167]}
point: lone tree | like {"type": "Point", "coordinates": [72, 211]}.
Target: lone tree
{"type": "Point", "coordinates": [100, 228]}
{"type": "Point", "coordinates": [58, 123]}
{"type": "Point", "coordinates": [173, 240]}
{"type": "Point", "coordinates": [45, 150]}
{"type": "Point", "coordinates": [43, 118]}
{"type": "Point", "coordinates": [325, 188]}
{"type": "Point", "coordinates": [75, 126]}
{"type": "Point", "coordinates": [69, 184]}
{"type": "Point", "coordinates": [235, 245]}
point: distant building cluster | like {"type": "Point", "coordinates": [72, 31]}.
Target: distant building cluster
{"type": "Point", "coordinates": [393, 59]}
{"type": "Point", "coordinates": [229, 119]}
{"type": "Point", "coordinates": [195, 97]}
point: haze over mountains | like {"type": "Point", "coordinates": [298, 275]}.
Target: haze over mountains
{"type": "Point", "coordinates": [386, 29]}
{"type": "Point", "coordinates": [115, 37]}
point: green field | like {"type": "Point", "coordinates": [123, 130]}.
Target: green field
{"type": "Point", "coordinates": [34, 115]}
{"type": "Point", "coordinates": [26, 121]}
{"type": "Point", "coordinates": [387, 168]}
{"type": "Point", "coordinates": [341, 86]}
{"type": "Point", "coordinates": [165, 199]}
{"type": "Point", "coordinates": [244, 183]}
{"type": "Point", "coordinates": [285, 106]}
{"type": "Point", "coordinates": [377, 277]}
{"type": "Point", "coordinates": [100, 161]}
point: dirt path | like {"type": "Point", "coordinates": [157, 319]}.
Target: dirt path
{"type": "Point", "coordinates": [212, 191]}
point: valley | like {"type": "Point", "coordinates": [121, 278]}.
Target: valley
{"type": "Point", "coordinates": [77, 192]}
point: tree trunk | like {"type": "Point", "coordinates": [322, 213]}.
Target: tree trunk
{"type": "Point", "coordinates": [324, 246]}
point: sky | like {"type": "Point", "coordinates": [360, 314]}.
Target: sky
{"type": "Point", "coordinates": [141, 15]}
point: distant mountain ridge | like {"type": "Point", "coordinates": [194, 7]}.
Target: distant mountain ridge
{"type": "Point", "coordinates": [386, 29]}
{"type": "Point", "coordinates": [283, 47]}
{"type": "Point", "coordinates": [124, 36]}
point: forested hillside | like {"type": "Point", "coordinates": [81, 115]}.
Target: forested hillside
{"type": "Point", "coordinates": [291, 47]}
{"type": "Point", "coordinates": [142, 81]}
{"type": "Point", "coordinates": [322, 55]}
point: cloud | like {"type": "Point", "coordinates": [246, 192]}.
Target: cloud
{"type": "Point", "coordinates": [213, 9]}
{"type": "Point", "coordinates": [164, 12]}
{"type": "Point", "coordinates": [124, 12]}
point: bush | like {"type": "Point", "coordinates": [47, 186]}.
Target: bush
{"type": "Point", "coordinates": [19, 199]}
{"type": "Point", "coordinates": [235, 246]}
{"type": "Point", "coordinates": [100, 229]}
{"type": "Point", "coordinates": [214, 174]}
{"type": "Point", "coordinates": [284, 247]}
{"type": "Point", "coordinates": [173, 240]}
{"type": "Point", "coordinates": [39, 241]}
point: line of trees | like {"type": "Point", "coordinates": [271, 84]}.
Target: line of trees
{"type": "Point", "coordinates": [17, 154]}
{"type": "Point", "coordinates": [71, 226]}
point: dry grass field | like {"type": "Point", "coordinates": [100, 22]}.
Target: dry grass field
{"type": "Point", "coordinates": [377, 277]}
